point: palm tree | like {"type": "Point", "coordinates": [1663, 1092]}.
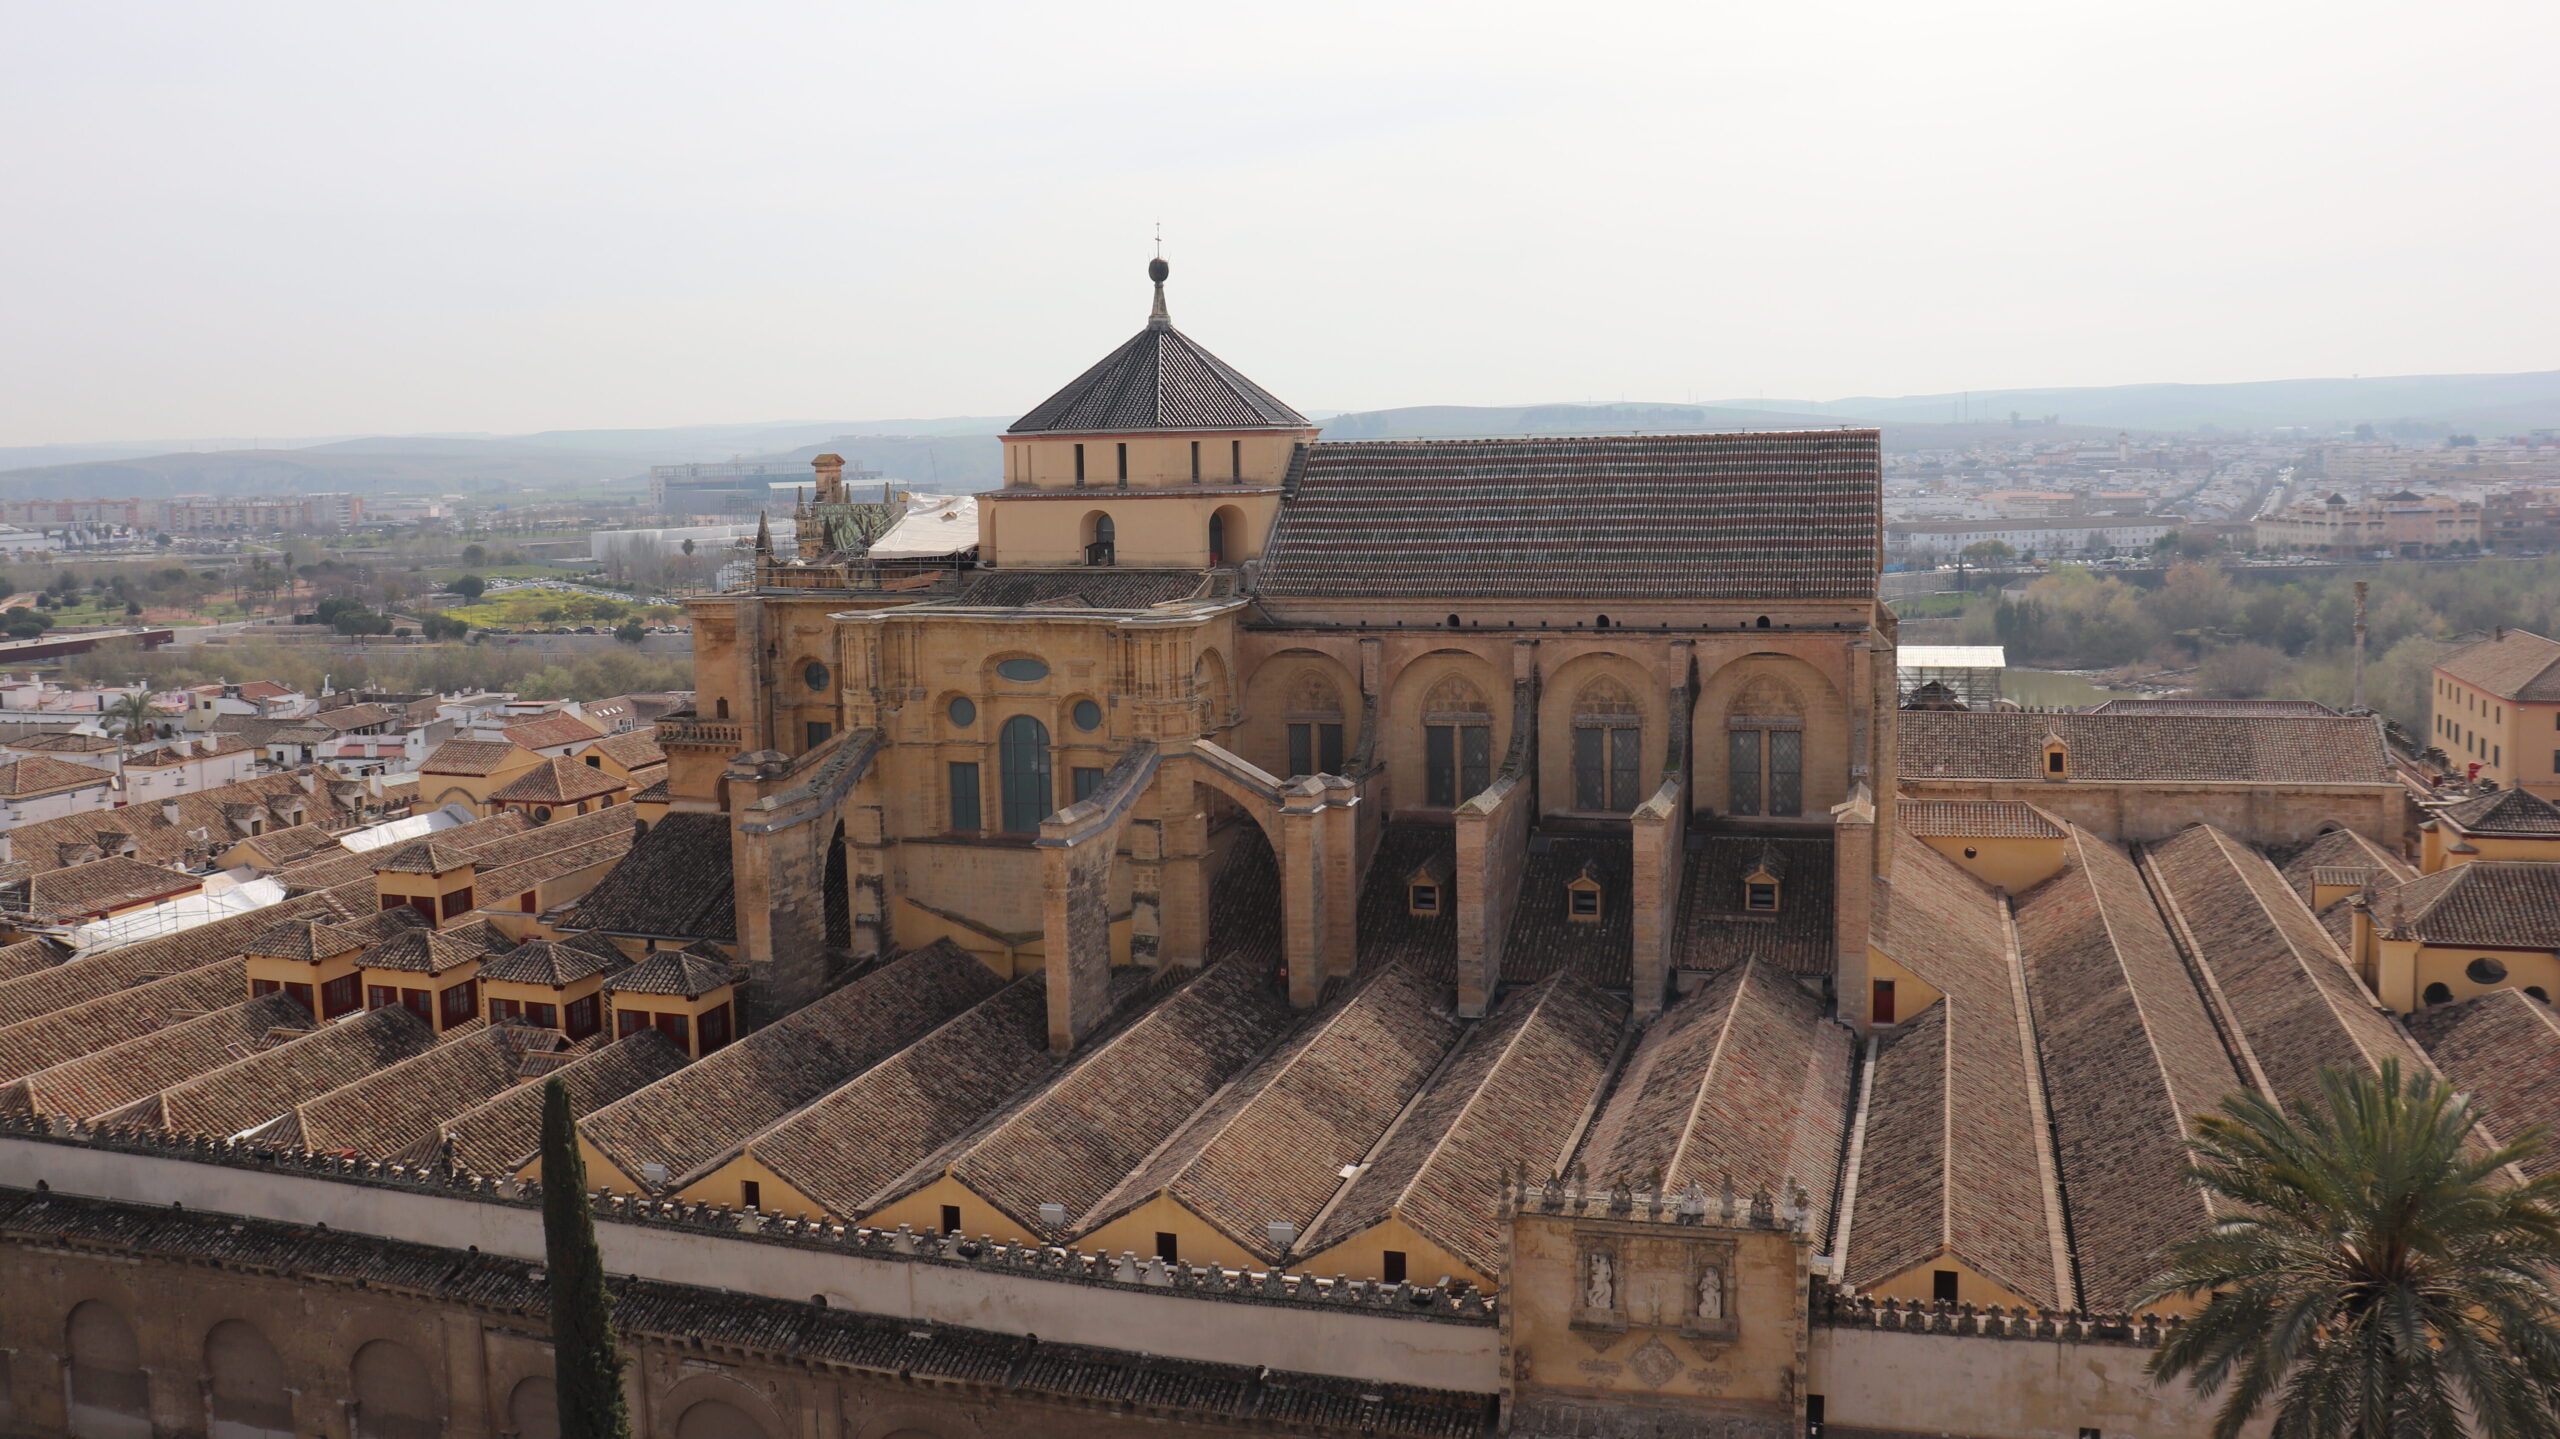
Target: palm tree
{"type": "Point", "coordinates": [132, 718]}
{"type": "Point", "coordinates": [2377, 1270]}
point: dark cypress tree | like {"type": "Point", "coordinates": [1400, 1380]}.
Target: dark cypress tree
{"type": "Point", "coordinates": [586, 1363]}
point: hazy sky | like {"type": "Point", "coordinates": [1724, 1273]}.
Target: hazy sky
{"type": "Point", "coordinates": [296, 219]}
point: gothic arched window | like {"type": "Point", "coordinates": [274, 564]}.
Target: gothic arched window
{"type": "Point", "coordinates": [1608, 748]}
{"type": "Point", "coordinates": [1764, 750]}
{"type": "Point", "coordinates": [1022, 757]}
{"type": "Point", "coordinates": [1314, 717]}
{"type": "Point", "coordinates": [1457, 743]}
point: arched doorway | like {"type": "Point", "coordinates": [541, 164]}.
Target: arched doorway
{"type": "Point", "coordinates": [1218, 538]}
{"type": "Point", "coordinates": [395, 1394]}
{"type": "Point", "coordinates": [244, 1385]}
{"type": "Point", "coordinates": [1022, 761]}
{"type": "Point", "coordinates": [1101, 539]}
{"type": "Point", "coordinates": [110, 1395]}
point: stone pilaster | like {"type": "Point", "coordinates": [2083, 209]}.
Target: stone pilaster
{"type": "Point", "coordinates": [1853, 856]}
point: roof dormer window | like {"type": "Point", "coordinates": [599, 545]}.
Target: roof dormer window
{"type": "Point", "coordinates": [2057, 757]}
{"type": "Point", "coordinates": [1582, 898]}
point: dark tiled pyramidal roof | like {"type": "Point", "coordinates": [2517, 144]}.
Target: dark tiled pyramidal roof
{"type": "Point", "coordinates": [1161, 380]}
{"type": "Point", "coordinates": [1780, 516]}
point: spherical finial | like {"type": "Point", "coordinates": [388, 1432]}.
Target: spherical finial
{"type": "Point", "coordinates": [1157, 269]}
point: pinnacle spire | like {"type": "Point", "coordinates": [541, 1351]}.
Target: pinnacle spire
{"type": "Point", "coordinates": [764, 536]}
{"type": "Point", "coordinates": [1157, 269]}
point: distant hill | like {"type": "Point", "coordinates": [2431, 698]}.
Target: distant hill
{"type": "Point", "coordinates": [2490, 405]}
{"type": "Point", "coordinates": [398, 470]}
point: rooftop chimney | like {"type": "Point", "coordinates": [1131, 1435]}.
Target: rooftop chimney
{"type": "Point", "coordinates": [169, 812]}
{"type": "Point", "coordinates": [1282, 1234]}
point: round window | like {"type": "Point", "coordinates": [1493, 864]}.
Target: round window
{"type": "Point", "coordinates": [2484, 970]}
{"type": "Point", "coordinates": [2537, 992]}
{"type": "Point", "coordinates": [1087, 715]}
{"type": "Point", "coordinates": [815, 675]}
{"type": "Point", "coordinates": [964, 712]}
{"type": "Point", "coordinates": [2438, 993]}
{"type": "Point", "coordinates": [1023, 671]}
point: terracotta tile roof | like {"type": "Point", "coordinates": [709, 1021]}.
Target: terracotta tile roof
{"type": "Point", "coordinates": [637, 749]}
{"type": "Point", "coordinates": [469, 757]}
{"type": "Point", "coordinates": [27, 956]}
{"type": "Point", "coordinates": [559, 727]}
{"type": "Point", "coordinates": [675, 883]}
{"type": "Point", "coordinates": [678, 972]}
{"type": "Point", "coordinates": [1545, 939]}
{"type": "Point", "coordinates": [295, 844]}
{"type": "Point", "coordinates": [1716, 932]}
{"type": "Point", "coordinates": [2507, 812]}
{"type": "Point", "coordinates": [2516, 665]}
{"type": "Point", "coordinates": [843, 1149]}
{"type": "Point", "coordinates": [436, 951]}
{"type": "Point", "coordinates": [2503, 1048]}
{"type": "Point", "coordinates": [305, 940]}
{"type": "Point", "coordinates": [1389, 930]}
{"type": "Point", "coordinates": [84, 891]}
{"type": "Point", "coordinates": [1954, 1159]}
{"type": "Point", "coordinates": [1161, 379]}
{"type": "Point", "coordinates": [2130, 1056]}
{"type": "Point", "coordinates": [2298, 1005]}
{"type": "Point", "coordinates": [62, 742]}
{"type": "Point", "coordinates": [544, 961]}
{"type": "Point", "coordinates": [2006, 745]}
{"type": "Point", "coordinates": [252, 1093]}
{"type": "Point", "coordinates": [1633, 517]}
{"type": "Point", "coordinates": [1515, 1094]}
{"type": "Point", "coordinates": [2488, 903]}
{"type": "Point", "coordinates": [398, 1111]}
{"type": "Point", "coordinates": [118, 1074]}
{"type": "Point", "coordinates": [187, 751]}
{"type": "Point", "coordinates": [1743, 1080]}
{"type": "Point", "coordinates": [1101, 589]}
{"type": "Point", "coordinates": [705, 1112]}
{"type": "Point", "coordinates": [95, 974]}
{"type": "Point", "coordinates": [157, 841]}
{"type": "Point", "coordinates": [264, 690]}
{"type": "Point", "coordinates": [2312, 709]}
{"type": "Point", "coordinates": [502, 1135]}
{"type": "Point", "coordinates": [115, 1016]}
{"type": "Point", "coordinates": [2344, 849]}
{"type": "Point", "coordinates": [494, 848]}
{"type": "Point", "coordinates": [498, 888]}
{"type": "Point", "coordinates": [428, 855]}
{"type": "Point", "coordinates": [348, 718]}
{"type": "Point", "coordinates": [1976, 819]}
{"type": "Point", "coordinates": [1270, 1148]}
{"type": "Point", "coordinates": [656, 791]}
{"type": "Point", "coordinates": [1123, 1096]}
{"type": "Point", "coordinates": [31, 775]}
{"type": "Point", "coordinates": [558, 780]}
{"type": "Point", "coordinates": [325, 871]}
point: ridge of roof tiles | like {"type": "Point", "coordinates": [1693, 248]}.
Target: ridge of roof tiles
{"type": "Point", "coordinates": [557, 780]}
{"type": "Point", "coordinates": [2514, 664]}
{"type": "Point", "coordinates": [144, 1008]}
{"type": "Point", "coordinates": [1954, 1159]}
{"type": "Point", "coordinates": [422, 856]}
{"type": "Point", "coordinates": [2130, 1057]}
{"type": "Point", "coordinates": [2502, 1047]}
{"type": "Point", "coordinates": [547, 961]}
{"type": "Point", "coordinates": [1271, 1146]}
{"type": "Point", "coordinates": [468, 757]}
{"type": "Point", "coordinates": [1771, 515]}
{"type": "Point", "coordinates": [434, 951]}
{"type": "Point", "coordinates": [1514, 1094]}
{"type": "Point", "coordinates": [2508, 903]}
{"type": "Point", "coordinates": [678, 972]}
{"type": "Point", "coordinates": [116, 1075]}
{"type": "Point", "coordinates": [707, 1110]}
{"type": "Point", "coordinates": [250, 1094]}
{"type": "Point", "coordinates": [1976, 819]}
{"type": "Point", "coordinates": [1744, 1081]}
{"type": "Point", "coordinates": [305, 940]}
{"type": "Point", "coordinates": [398, 1111]}
{"type": "Point", "coordinates": [675, 883]}
{"type": "Point", "coordinates": [504, 1134]}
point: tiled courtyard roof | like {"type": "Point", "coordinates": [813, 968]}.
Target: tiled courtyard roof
{"type": "Point", "coordinates": [2493, 903]}
{"type": "Point", "coordinates": [118, 1074]}
{"type": "Point", "coordinates": [2516, 665]}
{"type": "Point", "coordinates": [2007, 745]}
{"type": "Point", "coordinates": [1955, 1160]}
{"type": "Point", "coordinates": [429, 855]}
{"type": "Point", "coordinates": [1776, 516]}
{"type": "Point", "coordinates": [398, 1111]}
{"type": "Point", "coordinates": [1716, 931]}
{"type": "Point", "coordinates": [1744, 1080]}
{"type": "Point", "coordinates": [1546, 939]}
{"type": "Point", "coordinates": [119, 1014]}
{"type": "Point", "coordinates": [675, 883]}
{"type": "Point", "coordinates": [2503, 1048]}
{"type": "Point", "coordinates": [843, 1149]}
{"type": "Point", "coordinates": [634, 750]}
{"type": "Point", "coordinates": [704, 1112]}
{"type": "Point", "coordinates": [2130, 1057]}
{"type": "Point", "coordinates": [504, 1134]}
{"type": "Point", "coordinates": [1272, 1146]}
{"type": "Point", "coordinates": [2518, 812]}
{"type": "Point", "coordinates": [1518, 1089]}
{"type": "Point", "coordinates": [1976, 819]}
{"type": "Point", "coordinates": [28, 956]}
{"type": "Point", "coordinates": [2298, 1007]}
{"type": "Point", "coordinates": [2344, 849]}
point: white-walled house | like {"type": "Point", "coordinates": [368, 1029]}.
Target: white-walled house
{"type": "Point", "coordinates": [186, 766]}
{"type": "Point", "coordinates": [38, 787]}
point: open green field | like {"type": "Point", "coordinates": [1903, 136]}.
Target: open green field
{"type": "Point", "coordinates": [519, 609]}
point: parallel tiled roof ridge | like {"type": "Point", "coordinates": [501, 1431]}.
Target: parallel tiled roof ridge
{"type": "Point", "coordinates": [254, 1092]}
{"type": "Point", "coordinates": [503, 1134]}
{"type": "Point", "coordinates": [2008, 745]}
{"type": "Point", "coordinates": [400, 1109]}
{"type": "Point", "coordinates": [115, 1075]}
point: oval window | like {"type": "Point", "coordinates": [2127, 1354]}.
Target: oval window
{"type": "Point", "coordinates": [2437, 993]}
{"type": "Point", "coordinates": [815, 675]}
{"type": "Point", "coordinates": [1087, 715]}
{"type": "Point", "coordinates": [964, 712]}
{"type": "Point", "coordinates": [2536, 991]}
{"type": "Point", "coordinates": [1023, 671]}
{"type": "Point", "coordinates": [2484, 970]}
